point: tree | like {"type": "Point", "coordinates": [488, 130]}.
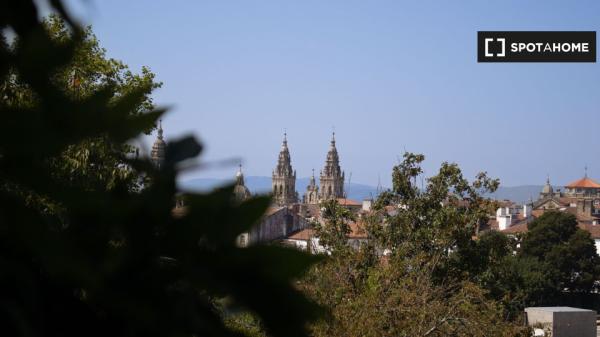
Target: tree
{"type": "Point", "coordinates": [118, 262]}
{"type": "Point", "coordinates": [333, 232]}
{"type": "Point", "coordinates": [567, 251]}
{"type": "Point", "coordinates": [369, 298]}
{"type": "Point", "coordinates": [440, 218]}
{"type": "Point", "coordinates": [423, 286]}
{"type": "Point", "coordinates": [95, 162]}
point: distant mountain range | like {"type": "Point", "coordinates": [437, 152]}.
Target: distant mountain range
{"type": "Point", "coordinates": [519, 194]}
{"type": "Point", "coordinates": [257, 184]}
{"type": "Point", "coordinates": [263, 185]}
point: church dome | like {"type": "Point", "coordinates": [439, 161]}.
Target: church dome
{"type": "Point", "coordinates": [240, 191]}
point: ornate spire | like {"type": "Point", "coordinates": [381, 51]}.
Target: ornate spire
{"type": "Point", "coordinates": [312, 181]}
{"type": "Point", "coordinates": [239, 176]}
{"type": "Point", "coordinates": [284, 177]}
{"type": "Point", "coordinates": [547, 190]}
{"type": "Point", "coordinates": [158, 148]}
{"type": "Point", "coordinates": [332, 176]}
{"type": "Point", "coordinates": [332, 163]}
{"type": "Point", "coordinates": [311, 196]}
{"type": "Point", "coordinates": [284, 163]}
{"type": "Point", "coordinates": [332, 140]}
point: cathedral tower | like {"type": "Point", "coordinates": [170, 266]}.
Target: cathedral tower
{"type": "Point", "coordinates": [284, 178]}
{"type": "Point", "coordinates": [158, 148]}
{"type": "Point", "coordinates": [332, 177]}
{"type": "Point", "coordinates": [312, 191]}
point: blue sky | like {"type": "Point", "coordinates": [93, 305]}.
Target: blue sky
{"type": "Point", "coordinates": [389, 75]}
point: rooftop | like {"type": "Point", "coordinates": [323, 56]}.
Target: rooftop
{"type": "Point", "coordinates": [584, 182]}
{"type": "Point", "coordinates": [557, 309]}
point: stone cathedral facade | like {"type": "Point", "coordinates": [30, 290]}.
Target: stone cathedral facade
{"type": "Point", "coordinates": [331, 179]}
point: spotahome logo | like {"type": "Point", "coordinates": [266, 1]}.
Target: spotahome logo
{"type": "Point", "coordinates": [536, 46]}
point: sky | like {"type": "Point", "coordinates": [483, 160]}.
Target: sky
{"type": "Point", "coordinates": [388, 76]}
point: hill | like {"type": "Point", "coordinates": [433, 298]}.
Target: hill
{"type": "Point", "coordinates": [259, 185]}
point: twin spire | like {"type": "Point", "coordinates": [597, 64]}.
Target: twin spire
{"type": "Point", "coordinates": [284, 178]}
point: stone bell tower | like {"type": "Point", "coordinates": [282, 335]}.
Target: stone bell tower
{"type": "Point", "coordinates": [332, 176]}
{"type": "Point", "coordinates": [158, 148]}
{"type": "Point", "coordinates": [284, 178]}
{"type": "Point", "coordinates": [311, 196]}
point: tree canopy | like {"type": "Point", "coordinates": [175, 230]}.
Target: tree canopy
{"type": "Point", "coordinates": [117, 262]}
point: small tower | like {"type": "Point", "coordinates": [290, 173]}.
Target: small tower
{"type": "Point", "coordinates": [547, 190]}
{"type": "Point", "coordinates": [312, 191]}
{"type": "Point", "coordinates": [158, 149]}
{"type": "Point", "coordinates": [240, 191]}
{"type": "Point", "coordinates": [332, 176]}
{"type": "Point", "coordinates": [284, 178]}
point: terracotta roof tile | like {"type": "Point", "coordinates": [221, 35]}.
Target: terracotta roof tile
{"type": "Point", "coordinates": [584, 183]}
{"type": "Point", "coordinates": [520, 227]}
{"type": "Point", "coordinates": [348, 202]}
{"type": "Point", "coordinates": [304, 234]}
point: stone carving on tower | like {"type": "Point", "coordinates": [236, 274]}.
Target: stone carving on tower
{"type": "Point", "coordinates": [332, 177]}
{"type": "Point", "coordinates": [240, 191]}
{"type": "Point", "coordinates": [284, 178]}
{"type": "Point", "coordinates": [158, 148]}
{"type": "Point", "coordinates": [312, 191]}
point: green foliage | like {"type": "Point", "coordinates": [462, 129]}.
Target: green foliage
{"type": "Point", "coordinates": [370, 298]}
{"type": "Point", "coordinates": [569, 253]}
{"type": "Point", "coordinates": [551, 262]}
{"type": "Point", "coordinates": [96, 162]}
{"type": "Point", "coordinates": [332, 233]}
{"type": "Point", "coordinates": [441, 217]}
{"type": "Point", "coordinates": [422, 288]}
{"type": "Point", "coordinates": [117, 262]}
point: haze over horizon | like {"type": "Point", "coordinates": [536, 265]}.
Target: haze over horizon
{"type": "Point", "coordinates": [389, 76]}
